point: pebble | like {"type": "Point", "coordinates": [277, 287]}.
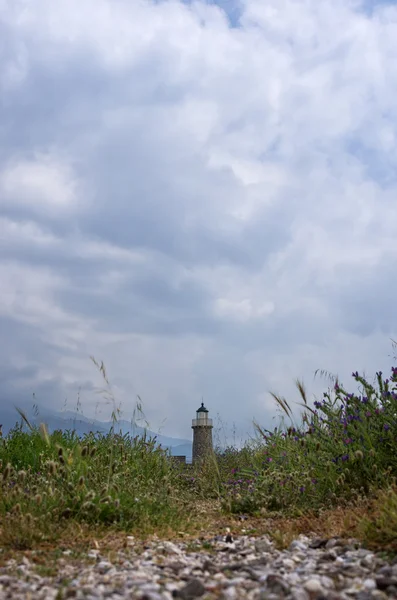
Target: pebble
{"type": "Point", "coordinates": [245, 568]}
{"type": "Point", "coordinates": [313, 586]}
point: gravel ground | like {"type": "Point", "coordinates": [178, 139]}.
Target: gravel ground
{"type": "Point", "coordinates": [225, 568]}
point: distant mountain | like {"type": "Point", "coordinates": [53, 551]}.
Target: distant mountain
{"type": "Point", "coordinates": [82, 425]}
{"type": "Point", "coordinates": [182, 450]}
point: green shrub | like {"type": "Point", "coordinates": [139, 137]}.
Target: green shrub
{"type": "Point", "coordinates": [344, 448]}
{"type": "Point", "coordinates": [100, 479]}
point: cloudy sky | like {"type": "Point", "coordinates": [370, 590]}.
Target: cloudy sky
{"type": "Point", "coordinates": [202, 195]}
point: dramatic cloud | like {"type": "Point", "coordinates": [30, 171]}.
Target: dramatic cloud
{"type": "Point", "coordinates": [202, 195]}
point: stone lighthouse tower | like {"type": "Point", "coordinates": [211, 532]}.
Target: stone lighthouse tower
{"type": "Point", "coordinates": [202, 434]}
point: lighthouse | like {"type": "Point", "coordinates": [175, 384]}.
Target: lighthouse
{"type": "Point", "coordinates": [202, 434]}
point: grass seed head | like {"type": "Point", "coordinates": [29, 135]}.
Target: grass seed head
{"type": "Point", "coordinates": [52, 467]}
{"type": "Point", "coordinates": [22, 475]}
{"type": "Point", "coordinates": [7, 472]}
{"type": "Point", "coordinates": [105, 500]}
{"type": "Point", "coordinates": [16, 490]}
{"type": "Point", "coordinates": [17, 509]}
{"type": "Point", "coordinates": [44, 434]}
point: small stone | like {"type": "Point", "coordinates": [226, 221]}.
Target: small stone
{"type": "Point", "coordinates": [384, 582]}
{"type": "Point", "coordinates": [368, 561]}
{"type": "Point", "coordinates": [369, 584]}
{"type": "Point", "coordinates": [103, 566]}
{"type": "Point", "coordinates": [318, 543]}
{"type": "Point", "coordinates": [327, 582]}
{"type": "Point", "coordinates": [313, 586]}
{"type": "Point", "coordinates": [194, 589]}
{"type": "Point", "coordinates": [229, 593]}
{"type": "Point", "coordinates": [266, 595]}
{"type": "Point", "coordinates": [289, 564]}
{"type": "Point", "coordinates": [329, 556]}
{"type": "Point", "coordinates": [386, 570]}
{"type": "Point", "coordinates": [177, 565]}
{"type": "Point", "coordinates": [378, 595]}
{"type": "Point", "coordinates": [263, 545]}
{"type": "Point", "coordinates": [392, 591]}
{"type": "Point", "coordinates": [297, 545]}
{"type": "Point", "coordinates": [171, 548]}
{"type": "Point", "coordinates": [299, 594]}
{"type": "Point", "coordinates": [277, 584]}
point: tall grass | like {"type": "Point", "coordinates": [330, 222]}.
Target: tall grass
{"type": "Point", "coordinates": [48, 479]}
{"type": "Point", "coordinates": [342, 451]}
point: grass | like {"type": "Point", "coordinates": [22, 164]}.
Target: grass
{"type": "Point", "coordinates": [333, 474]}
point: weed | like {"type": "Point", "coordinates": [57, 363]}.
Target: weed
{"type": "Point", "coordinates": [340, 457]}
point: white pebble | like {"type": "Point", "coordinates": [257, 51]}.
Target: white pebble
{"type": "Point", "coordinates": [289, 564]}
{"type": "Point", "coordinates": [313, 586]}
{"type": "Point", "coordinates": [370, 584]}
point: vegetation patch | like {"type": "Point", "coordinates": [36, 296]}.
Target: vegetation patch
{"type": "Point", "coordinates": [334, 473]}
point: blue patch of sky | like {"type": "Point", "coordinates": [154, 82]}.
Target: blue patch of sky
{"type": "Point", "coordinates": [376, 165]}
{"type": "Point", "coordinates": [371, 6]}
{"type": "Point", "coordinates": [232, 8]}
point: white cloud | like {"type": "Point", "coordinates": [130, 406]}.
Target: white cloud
{"type": "Point", "coordinates": [29, 296]}
{"type": "Point", "coordinates": [42, 184]}
{"type": "Point", "coordinates": [195, 201]}
{"type": "Point", "coordinates": [242, 310]}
